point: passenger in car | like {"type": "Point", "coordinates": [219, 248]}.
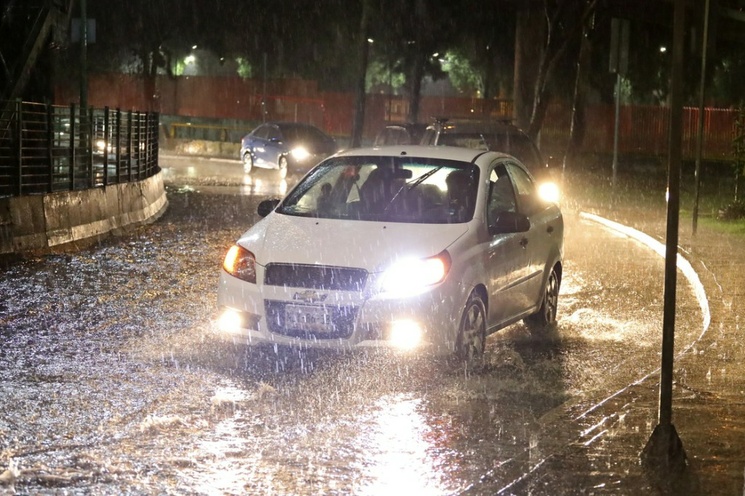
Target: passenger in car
{"type": "Point", "coordinates": [460, 195]}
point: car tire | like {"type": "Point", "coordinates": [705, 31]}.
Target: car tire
{"type": "Point", "coordinates": [282, 166]}
{"type": "Point", "coordinates": [471, 339]}
{"type": "Point", "coordinates": [545, 318]}
{"type": "Point", "coordinates": [248, 163]}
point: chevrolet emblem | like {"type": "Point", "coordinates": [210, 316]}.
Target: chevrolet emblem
{"type": "Point", "coordinates": [309, 296]}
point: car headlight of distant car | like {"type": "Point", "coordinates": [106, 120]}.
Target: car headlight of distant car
{"type": "Point", "coordinates": [300, 153]}
{"type": "Point", "coordinates": [549, 192]}
{"type": "Point", "coordinates": [412, 276]}
{"type": "Point", "coordinates": [101, 145]}
{"type": "Point", "coordinates": [240, 263]}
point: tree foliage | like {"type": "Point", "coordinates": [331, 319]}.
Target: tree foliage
{"type": "Point", "coordinates": [508, 48]}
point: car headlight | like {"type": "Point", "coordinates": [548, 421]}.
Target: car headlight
{"type": "Point", "coordinates": [100, 145]}
{"type": "Point", "coordinates": [549, 192]}
{"type": "Point", "coordinates": [300, 153]}
{"type": "Point", "coordinates": [240, 263]}
{"type": "Point", "coordinates": [409, 277]}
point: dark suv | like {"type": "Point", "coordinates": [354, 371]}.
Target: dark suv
{"type": "Point", "coordinates": [498, 136]}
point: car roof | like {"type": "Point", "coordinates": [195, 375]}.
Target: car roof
{"type": "Point", "coordinates": [289, 124]}
{"type": "Point", "coordinates": [483, 126]}
{"type": "Point", "coordinates": [423, 151]}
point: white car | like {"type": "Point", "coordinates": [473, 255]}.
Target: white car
{"type": "Point", "coordinates": [404, 246]}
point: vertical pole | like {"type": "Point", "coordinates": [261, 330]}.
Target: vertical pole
{"type": "Point", "coordinates": [72, 155]}
{"type": "Point", "coordinates": [106, 145]}
{"type": "Point", "coordinates": [263, 92]}
{"type": "Point", "coordinates": [700, 134]}
{"type": "Point", "coordinates": [50, 146]}
{"type": "Point", "coordinates": [19, 148]}
{"type": "Point", "coordinates": [118, 144]}
{"type": "Point", "coordinates": [664, 450]}
{"type": "Point", "coordinates": [90, 143]}
{"type": "Point", "coordinates": [673, 207]}
{"type": "Point", "coordinates": [615, 129]}
{"type": "Point", "coordinates": [83, 54]}
{"type": "Point", "coordinates": [129, 146]}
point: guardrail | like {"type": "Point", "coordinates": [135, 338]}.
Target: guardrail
{"type": "Point", "coordinates": [49, 148]}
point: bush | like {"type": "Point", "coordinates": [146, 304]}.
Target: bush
{"type": "Point", "coordinates": [733, 211]}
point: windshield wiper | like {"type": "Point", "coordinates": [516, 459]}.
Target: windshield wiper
{"type": "Point", "coordinates": [416, 182]}
{"type": "Point", "coordinates": [419, 180]}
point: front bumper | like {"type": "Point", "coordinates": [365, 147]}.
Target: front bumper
{"type": "Point", "coordinates": [252, 314]}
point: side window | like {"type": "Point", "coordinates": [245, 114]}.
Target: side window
{"type": "Point", "coordinates": [525, 189]}
{"type": "Point", "coordinates": [273, 133]}
{"type": "Point", "coordinates": [501, 194]}
{"type": "Point", "coordinates": [261, 132]}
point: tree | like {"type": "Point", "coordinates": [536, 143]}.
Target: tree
{"type": "Point", "coordinates": [544, 31]}
{"type": "Point", "coordinates": [363, 49]}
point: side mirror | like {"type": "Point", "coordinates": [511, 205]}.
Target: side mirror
{"type": "Point", "coordinates": [509, 222]}
{"type": "Point", "coordinates": [267, 206]}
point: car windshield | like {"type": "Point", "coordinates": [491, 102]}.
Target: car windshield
{"type": "Point", "coordinates": [388, 189]}
{"type": "Point", "coordinates": [303, 134]}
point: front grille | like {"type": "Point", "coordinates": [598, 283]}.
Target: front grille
{"type": "Point", "coordinates": [342, 322]}
{"type": "Point", "coordinates": [315, 277]}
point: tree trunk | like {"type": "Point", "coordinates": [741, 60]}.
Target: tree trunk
{"type": "Point", "coordinates": [528, 40]}
{"type": "Point", "coordinates": [417, 69]}
{"type": "Point", "coordinates": [577, 126]}
{"type": "Point", "coordinates": [363, 51]}
{"type": "Point", "coordinates": [415, 88]}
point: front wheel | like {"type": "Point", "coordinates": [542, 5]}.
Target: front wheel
{"type": "Point", "coordinates": [472, 332]}
{"type": "Point", "coordinates": [248, 163]}
{"type": "Point", "coordinates": [282, 165]}
{"type": "Point", "coordinates": [545, 317]}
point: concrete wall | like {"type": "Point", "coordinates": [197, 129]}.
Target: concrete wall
{"type": "Point", "coordinates": [54, 222]}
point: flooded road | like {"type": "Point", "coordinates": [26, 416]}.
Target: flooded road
{"type": "Point", "coordinates": [113, 382]}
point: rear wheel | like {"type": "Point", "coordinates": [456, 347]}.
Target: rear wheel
{"type": "Point", "coordinates": [248, 163]}
{"type": "Point", "coordinates": [545, 317]}
{"type": "Point", "coordinates": [472, 332]}
{"type": "Point", "coordinates": [282, 164]}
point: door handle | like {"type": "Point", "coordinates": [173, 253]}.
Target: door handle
{"type": "Point", "coordinates": [524, 242]}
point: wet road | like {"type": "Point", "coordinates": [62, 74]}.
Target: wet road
{"type": "Point", "coordinates": [112, 381]}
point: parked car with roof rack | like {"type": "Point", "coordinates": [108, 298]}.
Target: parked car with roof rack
{"type": "Point", "coordinates": [496, 135]}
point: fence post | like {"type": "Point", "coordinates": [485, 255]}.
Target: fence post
{"type": "Point", "coordinates": [106, 145]}
{"type": "Point", "coordinates": [50, 145]}
{"type": "Point", "coordinates": [139, 145]}
{"type": "Point", "coordinates": [90, 143]}
{"type": "Point", "coordinates": [19, 140]}
{"type": "Point", "coordinates": [118, 141]}
{"type": "Point", "coordinates": [129, 147]}
{"type": "Point", "coordinates": [72, 155]}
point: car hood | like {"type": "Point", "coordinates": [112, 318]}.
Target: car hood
{"type": "Point", "coordinates": [345, 243]}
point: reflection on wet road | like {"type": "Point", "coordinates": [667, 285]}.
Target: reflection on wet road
{"type": "Point", "coordinates": [113, 382]}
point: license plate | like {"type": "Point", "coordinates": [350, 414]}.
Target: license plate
{"type": "Point", "coordinates": [308, 318]}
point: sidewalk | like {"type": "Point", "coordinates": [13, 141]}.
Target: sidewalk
{"type": "Point", "coordinates": [708, 391]}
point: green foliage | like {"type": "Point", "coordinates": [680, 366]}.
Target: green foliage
{"type": "Point", "coordinates": [733, 211]}
{"type": "Point", "coordinates": [245, 69]}
{"type": "Point", "coordinates": [462, 73]}
{"type": "Point", "coordinates": [381, 74]}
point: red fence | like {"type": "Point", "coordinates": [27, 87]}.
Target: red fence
{"type": "Point", "coordinates": [642, 129]}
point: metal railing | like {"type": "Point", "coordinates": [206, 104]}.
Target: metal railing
{"type": "Point", "coordinates": [48, 148]}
